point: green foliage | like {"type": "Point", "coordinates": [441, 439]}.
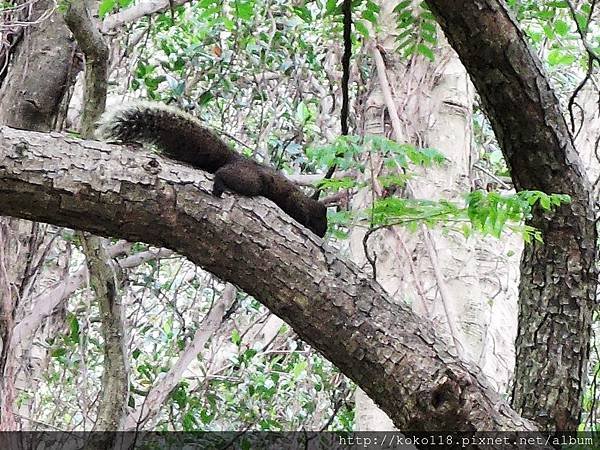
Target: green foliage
{"type": "Point", "coordinates": [364, 14]}
{"type": "Point", "coordinates": [235, 337]}
{"type": "Point", "coordinates": [417, 29]}
{"type": "Point", "coordinates": [73, 336]}
{"type": "Point", "coordinates": [257, 390]}
{"type": "Point", "coordinates": [108, 6]}
{"type": "Point", "coordinates": [348, 152]}
{"type": "Point", "coordinates": [488, 213]}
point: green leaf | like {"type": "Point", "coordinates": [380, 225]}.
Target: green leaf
{"type": "Point", "coordinates": [361, 28]}
{"type": "Point", "coordinates": [425, 51]}
{"type": "Point", "coordinates": [58, 352]}
{"type": "Point", "coordinates": [561, 27]}
{"type": "Point", "coordinates": [105, 7]}
{"type": "Point", "coordinates": [299, 368]}
{"type": "Point", "coordinates": [372, 6]}
{"type": "Point", "coordinates": [244, 9]}
{"type": "Point", "coordinates": [73, 328]}
{"type": "Point", "coordinates": [559, 57]}
{"type": "Point", "coordinates": [235, 337]}
{"type": "Point", "coordinates": [370, 16]}
{"type": "Point", "coordinates": [189, 422]}
{"type": "Point", "coordinates": [303, 114]}
{"type": "Point", "coordinates": [330, 6]}
{"type": "Point", "coordinates": [205, 97]}
{"type": "Point", "coordinates": [582, 20]}
{"type": "Point", "coordinates": [402, 6]}
{"type": "Point", "coordinates": [304, 13]}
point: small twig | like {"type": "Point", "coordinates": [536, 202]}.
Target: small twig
{"type": "Point", "coordinates": [592, 55]}
{"type": "Point", "coordinates": [447, 302]}
{"type": "Point", "coordinates": [372, 260]}
{"type": "Point", "coordinates": [491, 174]}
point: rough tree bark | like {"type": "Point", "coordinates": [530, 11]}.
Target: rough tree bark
{"type": "Point", "coordinates": [558, 277]}
{"type": "Point", "coordinates": [396, 358]}
{"type": "Point", "coordinates": [41, 71]}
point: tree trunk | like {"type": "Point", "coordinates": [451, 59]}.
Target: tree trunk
{"type": "Point", "coordinates": [558, 277]}
{"type": "Point", "coordinates": [41, 71]}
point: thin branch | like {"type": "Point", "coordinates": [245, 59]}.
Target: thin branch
{"type": "Point", "coordinates": [137, 12]}
{"type": "Point", "coordinates": [347, 11]}
{"type": "Point", "coordinates": [160, 391]}
{"type": "Point", "coordinates": [447, 301]}
{"type": "Point", "coordinates": [500, 181]}
{"type": "Point", "coordinates": [592, 56]}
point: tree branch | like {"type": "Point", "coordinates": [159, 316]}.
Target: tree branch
{"type": "Point", "coordinates": [162, 388]}
{"type": "Point", "coordinates": [390, 353]}
{"type": "Point", "coordinates": [136, 12]}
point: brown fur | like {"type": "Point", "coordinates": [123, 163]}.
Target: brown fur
{"type": "Point", "coordinates": [182, 137]}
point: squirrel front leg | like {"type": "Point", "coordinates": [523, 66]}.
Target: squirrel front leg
{"type": "Point", "coordinates": [218, 184]}
{"type": "Point", "coordinates": [239, 176]}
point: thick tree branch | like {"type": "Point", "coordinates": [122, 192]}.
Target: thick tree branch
{"type": "Point", "coordinates": [395, 357]}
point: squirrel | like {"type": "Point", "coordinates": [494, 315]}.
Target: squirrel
{"type": "Point", "coordinates": [182, 137]}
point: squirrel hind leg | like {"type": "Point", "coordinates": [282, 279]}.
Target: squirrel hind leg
{"type": "Point", "coordinates": [240, 177]}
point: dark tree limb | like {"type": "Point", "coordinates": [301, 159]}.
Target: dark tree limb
{"type": "Point", "coordinates": [347, 12]}
{"type": "Point", "coordinates": [394, 356]}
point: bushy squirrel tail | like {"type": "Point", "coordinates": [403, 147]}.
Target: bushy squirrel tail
{"type": "Point", "coordinates": [176, 133]}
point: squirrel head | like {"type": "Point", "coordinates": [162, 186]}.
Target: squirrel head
{"type": "Point", "coordinates": [317, 218]}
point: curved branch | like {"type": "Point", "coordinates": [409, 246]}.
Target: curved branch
{"type": "Point", "coordinates": [390, 353]}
